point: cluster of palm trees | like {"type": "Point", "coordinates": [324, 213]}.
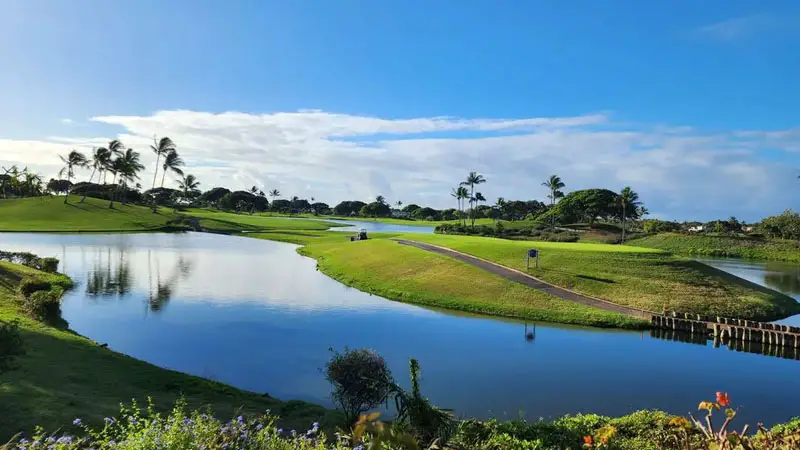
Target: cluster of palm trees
{"type": "Point", "coordinates": [124, 165]}
{"type": "Point", "coordinates": [461, 193]}
{"type": "Point", "coordinates": [20, 183]}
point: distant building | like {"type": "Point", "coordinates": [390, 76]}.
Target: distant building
{"type": "Point", "coordinates": [748, 228]}
{"type": "Point", "coordinates": [697, 228]}
{"type": "Point", "coordinates": [398, 214]}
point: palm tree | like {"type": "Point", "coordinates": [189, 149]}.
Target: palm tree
{"type": "Point", "coordinates": [629, 201]}
{"type": "Point", "coordinates": [261, 194]}
{"type": "Point", "coordinates": [254, 190]}
{"type": "Point", "coordinates": [99, 162]}
{"type": "Point", "coordinates": [380, 199]}
{"type": "Point", "coordinates": [399, 204]}
{"type": "Point", "coordinates": [127, 166]}
{"type": "Point", "coordinates": [115, 148]}
{"type": "Point", "coordinates": [500, 204]}
{"type": "Point", "coordinates": [479, 198]}
{"type": "Point", "coordinates": [553, 183]}
{"type": "Point", "coordinates": [274, 194]}
{"type": "Point", "coordinates": [189, 186]}
{"type": "Point", "coordinates": [74, 159]}
{"type": "Point", "coordinates": [31, 185]}
{"type": "Point", "coordinates": [164, 146]}
{"type": "Point", "coordinates": [173, 162]}
{"type": "Point", "coordinates": [460, 193]}
{"type": "Point", "coordinates": [472, 179]}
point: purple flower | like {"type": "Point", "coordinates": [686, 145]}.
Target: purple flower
{"type": "Point", "coordinates": [187, 421]}
{"type": "Point", "coordinates": [315, 425]}
{"type": "Point", "coordinates": [240, 419]}
{"type": "Point", "coordinates": [23, 441]}
{"type": "Point", "coordinates": [360, 447]}
{"type": "Point", "coordinates": [77, 422]}
{"type": "Point", "coordinates": [109, 420]}
{"type": "Point", "coordinates": [259, 427]}
{"type": "Point", "coordinates": [294, 432]}
{"type": "Point", "coordinates": [280, 430]}
{"type": "Point", "coordinates": [64, 440]}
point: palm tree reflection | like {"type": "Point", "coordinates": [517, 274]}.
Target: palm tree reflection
{"type": "Point", "coordinates": [116, 280]}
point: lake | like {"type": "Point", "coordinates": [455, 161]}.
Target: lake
{"type": "Point", "coordinates": [257, 315]}
{"type": "Point", "coordinates": [780, 276]}
{"type": "Point", "coordinates": [373, 226]}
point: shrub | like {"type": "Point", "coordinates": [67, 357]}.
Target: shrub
{"type": "Point", "coordinates": [565, 237]}
{"type": "Point", "coordinates": [426, 422]}
{"type": "Point", "coordinates": [30, 260]}
{"type": "Point", "coordinates": [30, 285]}
{"type": "Point", "coordinates": [361, 381]}
{"type": "Point", "coordinates": [11, 344]}
{"type": "Point", "coordinates": [44, 306]}
{"type": "Point", "coordinates": [49, 265]}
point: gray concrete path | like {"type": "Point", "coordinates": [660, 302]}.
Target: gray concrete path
{"type": "Point", "coordinates": [528, 280]}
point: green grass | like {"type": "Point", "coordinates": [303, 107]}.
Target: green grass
{"type": "Point", "coordinates": [388, 220]}
{"type": "Point", "coordinates": [397, 272]}
{"type": "Point", "coordinates": [63, 376]}
{"type": "Point", "coordinates": [51, 214]}
{"type": "Point", "coordinates": [723, 246]}
{"type": "Point", "coordinates": [224, 221]}
{"type": "Point", "coordinates": [632, 276]}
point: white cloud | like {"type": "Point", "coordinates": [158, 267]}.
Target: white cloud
{"type": "Point", "coordinates": [67, 121]}
{"type": "Point", "coordinates": [678, 171]}
{"type": "Point", "coordinates": [739, 28]}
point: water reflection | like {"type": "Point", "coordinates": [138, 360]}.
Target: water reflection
{"type": "Point", "coordinates": [165, 288]}
{"type": "Point", "coordinates": [107, 279]}
{"type": "Point", "coordinates": [782, 277]}
{"type": "Point", "coordinates": [256, 315]}
{"type": "Point", "coordinates": [759, 348]}
{"type": "Point", "coordinates": [111, 275]}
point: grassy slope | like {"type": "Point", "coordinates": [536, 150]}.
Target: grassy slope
{"type": "Point", "coordinates": [51, 214]}
{"type": "Point", "coordinates": [223, 221]}
{"type": "Point", "coordinates": [389, 220]}
{"type": "Point", "coordinates": [634, 276]}
{"type": "Point", "coordinates": [737, 247]}
{"type": "Point", "coordinates": [64, 376]}
{"type": "Point", "coordinates": [383, 267]}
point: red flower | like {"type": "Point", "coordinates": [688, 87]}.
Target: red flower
{"type": "Point", "coordinates": [587, 441]}
{"type": "Point", "coordinates": [723, 399]}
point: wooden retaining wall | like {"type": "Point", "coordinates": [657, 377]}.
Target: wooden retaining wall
{"type": "Point", "coordinates": [760, 348]}
{"type": "Point", "coordinates": [727, 329]}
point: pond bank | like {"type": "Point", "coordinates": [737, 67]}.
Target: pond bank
{"type": "Point", "coordinates": [88, 381]}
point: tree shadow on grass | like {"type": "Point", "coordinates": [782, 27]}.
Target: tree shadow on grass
{"type": "Point", "coordinates": [602, 280]}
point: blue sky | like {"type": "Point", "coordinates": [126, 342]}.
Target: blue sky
{"type": "Point", "coordinates": [682, 99]}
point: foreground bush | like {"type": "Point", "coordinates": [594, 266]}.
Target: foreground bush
{"type": "Point", "coordinates": [643, 430]}
{"type": "Point", "coordinates": [361, 380]}
{"type": "Point", "coordinates": [183, 429]}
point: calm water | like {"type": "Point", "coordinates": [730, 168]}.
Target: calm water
{"type": "Point", "coordinates": [255, 314]}
{"type": "Point", "coordinates": [375, 227]}
{"type": "Point", "coordinates": [782, 277]}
